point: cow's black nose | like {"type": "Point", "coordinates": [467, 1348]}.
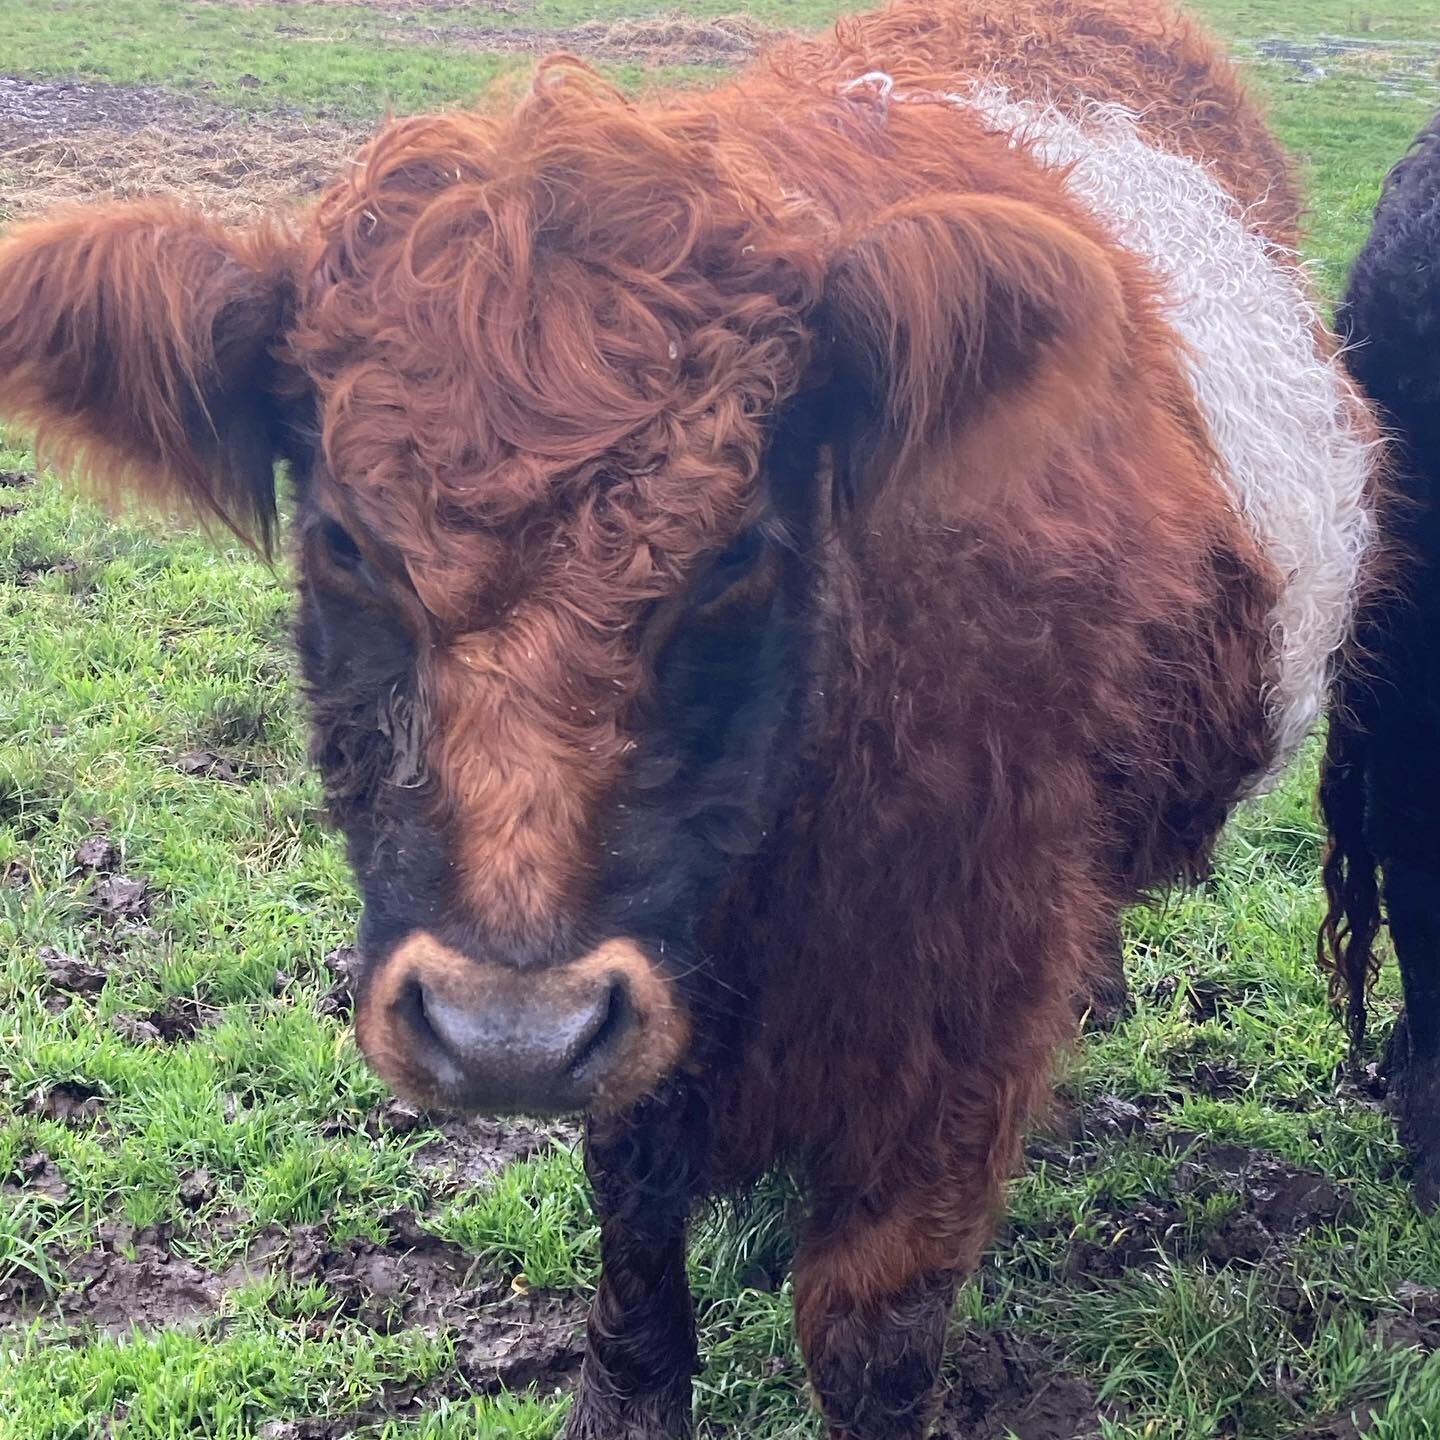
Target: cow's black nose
{"type": "Point", "coordinates": [533, 1047]}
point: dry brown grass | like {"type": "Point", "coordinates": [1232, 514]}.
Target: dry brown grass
{"type": "Point", "coordinates": [235, 171]}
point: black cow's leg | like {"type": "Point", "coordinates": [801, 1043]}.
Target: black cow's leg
{"type": "Point", "coordinates": [1412, 903]}
{"type": "Point", "coordinates": [640, 1355]}
{"type": "Point", "coordinates": [1402, 801]}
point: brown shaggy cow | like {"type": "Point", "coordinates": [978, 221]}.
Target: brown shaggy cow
{"type": "Point", "coordinates": [781, 568]}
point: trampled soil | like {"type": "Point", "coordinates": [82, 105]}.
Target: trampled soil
{"type": "Point", "coordinates": [998, 1382]}
{"type": "Point", "coordinates": [1000, 1385]}
{"type": "Point", "coordinates": [1396, 67]}
{"type": "Point", "coordinates": [66, 142]}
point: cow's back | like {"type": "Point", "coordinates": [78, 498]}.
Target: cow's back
{"type": "Point", "coordinates": [1139, 54]}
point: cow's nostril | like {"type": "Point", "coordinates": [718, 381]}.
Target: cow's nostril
{"type": "Point", "coordinates": [410, 1007]}
{"type": "Point", "coordinates": [613, 1013]}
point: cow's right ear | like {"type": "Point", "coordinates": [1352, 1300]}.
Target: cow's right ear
{"type": "Point", "coordinates": [136, 343]}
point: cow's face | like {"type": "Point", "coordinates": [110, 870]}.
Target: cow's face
{"type": "Point", "coordinates": [553, 697]}
{"type": "Point", "coordinates": [574, 404]}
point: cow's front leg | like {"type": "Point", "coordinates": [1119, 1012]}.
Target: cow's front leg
{"type": "Point", "coordinates": [874, 1360]}
{"type": "Point", "coordinates": [875, 1279]}
{"type": "Point", "coordinates": [640, 1353]}
{"type": "Point", "coordinates": [876, 1270]}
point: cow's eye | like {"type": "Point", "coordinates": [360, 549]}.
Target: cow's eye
{"type": "Point", "coordinates": [340, 546]}
{"type": "Point", "coordinates": [739, 561]}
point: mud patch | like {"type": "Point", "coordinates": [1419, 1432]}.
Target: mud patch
{"type": "Point", "coordinates": [61, 142]}
{"type": "Point", "coordinates": [1398, 68]}
{"type": "Point", "coordinates": [673, 39]}
{"type": "Point", "coordinates": [1273, 1202]}
{"type": "Point", "coordinates": [69, 974]}
{"type": "Point", "coordinates": [472, 1151]}
{"type": "Point", "coordinates": [71, 1102]}
{"type": "Point", "coordinates": [114, 898]}
{"type": "Point", "coordinates": [1000, 1385]}
{"type": "Point", "coordinates": [33, 571]}
{"type": "Point", "coordinates": [1104, 1120]}
{"type": "Point", "coordinates": [211, 765]}
{"type": "Point", "coordinates": [531, 1339]}
{"type": "Point", "coordinates": [410, 1279]}
{"type": "Point", "coordinates": [398, 7]}
{"type": "Point", "coordinates": [342, 965]}
{"type": "Point", "coordinates": [133, 1278]}
{"type": "Point", "coordinates": [96, 855]}
{"type": "Point", "coordinates": [36, 1174]}
{"type": "Point", "coordinates": [1350, 1426]}
{"type": "Point", "coordinates": [39, 109]}
{"type": "Point", "coordinates": [1205, 999]}
{"type": "Point", "coordinates": [1217, 1079]}
{"type": "Point", "coordinates": [177, 1017]}
{"type": "Point", "coordinates": [503, 1339]}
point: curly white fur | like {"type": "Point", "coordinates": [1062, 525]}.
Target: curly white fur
{"type": "Point", "coordinates": [1283, 417]}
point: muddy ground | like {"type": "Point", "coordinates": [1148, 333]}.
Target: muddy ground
{"type": "Point", "coordinates": [999, 1383]}
{"type": "Point", "coordinates": [661, 40]}
{"type": "Point", "coordinates": [63, 142]}
{"type": "Point", "coordinates": [1394, 67]}
{"type": "Point", "coordinates": [1237, 1208]}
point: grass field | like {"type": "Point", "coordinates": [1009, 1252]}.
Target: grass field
{"type": "Point", "coordinates": [212, 1221]}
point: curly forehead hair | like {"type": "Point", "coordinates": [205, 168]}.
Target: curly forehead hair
{"type": "Point", "coordinates": [568, 317]}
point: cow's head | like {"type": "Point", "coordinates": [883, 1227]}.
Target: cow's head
{"type": "Point", "coordinates": [574, 403]}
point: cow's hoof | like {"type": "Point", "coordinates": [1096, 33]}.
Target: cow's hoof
{"type": "Point", "coordinates": [649, 1417]}
{"type": "Point", "coordinates": [1413, 1095]}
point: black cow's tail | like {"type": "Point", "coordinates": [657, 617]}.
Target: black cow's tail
{"type": "Point", "coordinates": [1346, 944]}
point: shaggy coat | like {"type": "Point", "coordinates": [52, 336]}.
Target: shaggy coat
{"type": "Point", "coordinates": [781, 569]}
{"type": "Point", "coordinates": [1380, 789]}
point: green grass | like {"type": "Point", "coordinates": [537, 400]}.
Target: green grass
{"type": "Point", "coordinates": [123, 647]}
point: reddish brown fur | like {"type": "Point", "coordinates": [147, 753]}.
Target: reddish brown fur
{"type": "Point", "coordinates": [126, 331]}
{"type": "Point", "coordinates": [547, 346]}
{"type": "Point", "coordinates": [1136, 53]}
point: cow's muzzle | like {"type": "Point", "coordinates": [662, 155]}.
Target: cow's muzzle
{"type": "Point", "coordinates": [597, 1033]}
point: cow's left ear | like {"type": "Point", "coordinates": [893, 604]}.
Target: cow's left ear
{"type": "Point", "coordinates": [967, 321]}
{"type": "Point", "coordinates": [136, 342]}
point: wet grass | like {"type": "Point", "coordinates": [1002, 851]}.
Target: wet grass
{"type": "Point", "coordinates": [125, 650]}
